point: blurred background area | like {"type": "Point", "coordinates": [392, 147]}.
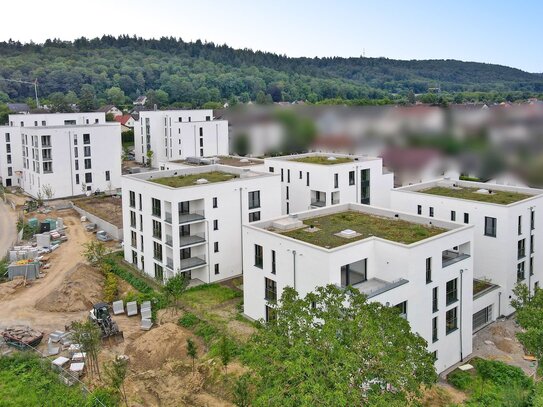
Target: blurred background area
{"type": "Point", "coordinates": [500, 143]}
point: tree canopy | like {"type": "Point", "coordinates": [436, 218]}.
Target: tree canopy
{"type": "Point", "coordinates": [332, 348]}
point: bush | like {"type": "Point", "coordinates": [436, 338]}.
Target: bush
{"type": "Point", "coordinates": [188, 320]}
{"type": "Point", "coordinates": [103, 396]}
{"type": "Point", "coordinates": [206, 331]}
{"type": "Point", "coordinates": [501, 373]}
{"type": "Point", "coordinates": [136, 282]}
{"type": "Point", "coordinates": [111, 287]}
{"type": "Point", "coordinates": [460, 379]}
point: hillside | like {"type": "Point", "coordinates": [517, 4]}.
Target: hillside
{"type": "Point", "coordinates": [196, 73]}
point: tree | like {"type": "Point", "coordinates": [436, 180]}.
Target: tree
{"type": "Point", "coordinates": [411, 97]}
{"type": "Point", "coordinates": [333, 347]}
{"type": "Point", "coordinates": [87, 98]}
{"type": "Point", "coordinates": [529, 315]}
{"type": "Point", "coordinates": [156, 97]}
{"type": "Point", "coordinates": [116, 372]}
{"type": "Point", "coordinates": [149, 155]}
{"type": "Point", "coordinates": [192, 351]}
{"type": "Point", "coordinates": [48, 191]}
{"type": "Point", "coordinates": [115, 96]}
{"type": "Point", "coordinates": [94, 252]}
{"type": "Point", "coordinates": [225, 351]}
{"type": "Point", "coordinates": [89, 336]}
{"type": "Point", "coordinates": [174, 288]}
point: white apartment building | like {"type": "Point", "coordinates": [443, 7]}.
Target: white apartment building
{"type": "Point", "coordinates": [316, 180]}
{"type": "Point", "coordinates": [507, 228]}
{"type": "Point", "coordinates": [178, 134]}
{"type": "Point", "coordinates": [422, 266]}
{"type": "Point", "coordinates": [189, 219]}
{"type": "Point", "coordinates": [66, 153]}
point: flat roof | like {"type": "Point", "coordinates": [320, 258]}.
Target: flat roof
{"type": "Point", "coordinates": [185, 180]}
{"type": "Point", "coordinates": [324, 230]}
{"type": "Point", "coordinates": [320, 158]}
{"type": "Point", "coordinates": [489, 195]}
{"type": "Point", "coordinates": [225, 160]}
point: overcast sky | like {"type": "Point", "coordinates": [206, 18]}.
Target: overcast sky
{"type": "Point", "coordinates": [501, 32]}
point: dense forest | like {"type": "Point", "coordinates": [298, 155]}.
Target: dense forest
{"type": "Point", "coordinates": [89, 72]}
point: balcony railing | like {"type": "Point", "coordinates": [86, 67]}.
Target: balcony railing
{"type": "Point", "coordinates": [169, 264]}
{"type": "Point", "coordinates": [169, 241]}
{"type": "Point", "coordinates": [449, 257]}
{"type": "Point", "coordinates": [192, 216]}
{"type": "Point", "coordinates": [193, 262]}
{"type": "Point", "coordinates": [320, 204]}
{"type": "Point", "coordinates": [168, 218]}
{"type": "Point", "coordinates": [191, 240]}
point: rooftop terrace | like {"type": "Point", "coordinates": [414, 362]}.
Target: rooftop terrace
{"type": "Point", "coordinates": [326, 229]}
{"type": "Point", "coordinates": [495, 196]}
{"type": "Point", "coordinates": [179, 181]}
{"type": "Point", "coordinates": [323, 160]}
{"type": "Point", "coordinates": [224, 160]}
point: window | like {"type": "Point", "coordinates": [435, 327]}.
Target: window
{"type": "Point", "coordinates": [532, 219]}
{"type": "Point", "coordinates": [288, 193]}
{"type": "Point", "coordinates": [134, 258]}
{"type": "Point", "coordinates": [274, 266]}
{"type": "Point", "coordinates": [519, 227]}
{"type": "Point", "coordinates": [7, 138]}
{"type": "Point", "coordinates": [87, 163]}
{"type": "Point", "coordinates": [141, 223]}
{"type": "Point", "coordinates": [288, 208]}
{"type": "Point", "coordinates": [157, 251]}
{"type": "Point", "coordinates": [254, 199]}
{"type": "Point", "coordinates": [133, 239]}
{"type": "Point", "coordinates": [139, 195]}
{"type": "Point", "coordinates": [452, 291]}
{"type": "Point", "coordinates": [75, 152]}
{"type": "Point", "coordinates": [428, 270]}
{"type": "Point", "coordinates": [466, 217]}
{"type": "Point", "coordinates": [215, 224]}
{"type": "Point", "coordinates": [482, 317]}
{"type": "Point", "coordinates": [490, 226]}
{"type": "Point", "coordinates": [431, 211]}
{"type": "Point", "coordinates": [215, 202]}
{"type": "Point", "coordinates": [75, 139]}
{"type": "Point", "coordinates": [270, 290]}
{"type": "Point", "coordinates": [216, 247]}
{"type": "Point", "coordinates": [157, 229]}
{"type": "Point", "coordinates": [307, 179]}
{"type": "Point", "coordinates": [87, 151]}
{"type": "Point", "coordinates": [271, 169]}
{"type": "Point", "coordinates": [288, 175]}
{"type": "Point", "coordinates": [254, 216]}
{"type": "Point", "coordinates": [216, 268]}
{"type": "Point", "coordinates": [453, 216]}
{"type": "Point", "coordinates": [271, 315]}
{"type": "Point", "coordinates": [155, 205]}
{"type": "Point", "coordinates": [108, 178]}
{"type": "Point", "coordinates": [132, 199]}
{"type": "Point", "coordinates": [47, 167]}
{"type": "Point", "coordinates": [133, 219]}
{"type": "Point", "coordinates": [521, 248]}
{"type": "Point", "coordinates": [336, 181]}
{"type": "Point", "coordinates": [86, 138]}
{"type": "Point", "coordinates": [159, 272]}
{"type": "Point", "coordinates": [520, 271]}
{"type": "Point", "coordinates": [536, 285]}
{"type": "Point", "coordinates": [300, 175]}
{"type": "Point", "coordinates": [452, 320]}
{"type": "Point", "coordinates": [351, 177]}
{"type": "Point", "coordinates": [9, 159]}
{"type": "Point", "coordinates": [88, 177]}
{"type": "Point", "coordinates": [258, 256]}
{"type": "Point", "coordinates": [77, 179]}
{"type": "Point", "coordinates": [419, 209]}
{"type": "Point", "coordinates": [434, 329]}
{"type": "Point", "coordinates": [402, 306]}
{"type": "Point", "coordinates": [532, 244]}
{"type": "Point", "coordinates": [435, 305]}
{"type": "Point", "coordinates": [77, 165]}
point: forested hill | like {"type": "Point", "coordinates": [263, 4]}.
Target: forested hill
{"type": "Point", "coordinates": [195, 73]}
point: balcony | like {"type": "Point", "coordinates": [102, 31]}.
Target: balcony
{"type": "Point", "coordinates": [376, 286]}
{"type": "Point", "coordinates": [169, 241]}
{"type": "Point", "coordinates": [192, 216]}
{"type": "Point", "coordinates": [193, 262]}
{"type": "Point", "coordinates": [169, 264]}
{"type": "Point", "coordinates": [191, 240]}
{"type": "Point", "coordinates": [168, 218]}
{"type": "Point", "coordinates": [318, 204]}
{"type": "Point", "coordinates": [449, 257]}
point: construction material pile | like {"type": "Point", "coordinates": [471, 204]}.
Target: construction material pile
{"type": "Point", "coordinates": [22, 336]}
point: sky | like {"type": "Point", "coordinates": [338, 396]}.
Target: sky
{"type": "Point", "coordinates": [499, 31]}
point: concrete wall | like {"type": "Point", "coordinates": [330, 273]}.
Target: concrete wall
{"type": "Point", "coordinates": [112, 230]}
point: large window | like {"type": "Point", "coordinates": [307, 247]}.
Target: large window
{"type": "Point", "coordinates": [159, 272]}
{"type": "Point", "coordinates": [428, 270]}
{"type": "Point", "coordinates": [520, 271]}
{"type": "Point", "coordinates": [254, 216]}
{"type": "Point", "coordinates": [254, 199]}
{"type": "Point", "coordinates": [351, 177]}
{"type": "Point", "coordinates": [133, 239]}
{"type": "Point", "coordinates": [452, 291]}
{"type": "Point", "coordinates": [270, 290]}
{"type": "Point", "coordinates": [155, 205]}
{"type": "Point", "coordinates": [354, 273]}
{"type": "Point", "coordinates": [133, 219]}
{"type": "Point", "coordinates": [258, 256]}
{"type": "Point", "coordinates": [466, 217]}
{"type": "Point", "coordinates": [490, 226]}
{"type": "Point", "coordinates": [88, 165]}
{"type": "Point", "coordinates": [451, 320]}
{"type": "Point", "coordinates": [157, 251]}
{"type": "Point", "coordinates": [521, 248]}
{"type": "Point", "coordinates": [519, 227]}
{"type": "Point", "coordinates": [86, 138]}
{"type": "Point", "coordinates": [88, 177]}
{"type": "Point", "coordinates": [87, 151]}
{"type": "Point", "coordinates": [402, 306]}
{"type": "Point", "coordinates": [271, 314]}
{"type": "Point", "coordinates": [157, 229]}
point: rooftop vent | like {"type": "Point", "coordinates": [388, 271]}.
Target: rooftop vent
{"type": "Point", "coordinates": [348, 233]}
{"type": "Point", "coordinates": [244, 160]}
{"type": "Point", "coordinates": [202, 181]}
{"type": "Point", "coordinates": [483, 191]}
{"type": "Point", "coordinates": [331, 158]}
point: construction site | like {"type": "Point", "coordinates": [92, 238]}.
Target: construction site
{"type": "Point", "coordinates": [51, 285]}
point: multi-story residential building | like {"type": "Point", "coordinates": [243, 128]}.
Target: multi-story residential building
{"type": "Point", "coordinates": [189, 219]}
{"type": "Point", "coordinates": [507, 228]}
{"type": "Point", "coordinates": [422, 266]}
{"type": "Point", "coordinates": [316, 180]}
{"type": "Point", "coordinates": [66, 154]}
{"type": "Point", "coordinates": [178, 134]}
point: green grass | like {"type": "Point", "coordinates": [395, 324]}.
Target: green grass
{"type": "Point", "coordinates": [323, 160]}
{"type": "Point", "coordinates": [188, 180]}
{"type": "Point", "coordinates": [367, 225]}
{"type": "Point", "coordinates": [480, 285]}
{"type": "Point", "coordinates": [497, 197]}
{"type": "Point", "coordinates": [208, 295]}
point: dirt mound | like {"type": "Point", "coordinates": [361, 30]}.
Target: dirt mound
{"type": "Point", "coordinates": [9, 287]}
{"type": "Point", "coordinates": [79, 291]}
{"type": "Point", "coordinates": [152, 349]}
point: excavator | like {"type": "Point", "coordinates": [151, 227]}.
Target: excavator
{"type": "Point", "coordinates": [99, 314]}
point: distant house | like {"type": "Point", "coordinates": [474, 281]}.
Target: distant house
{"type": "Point", "coordinates": [140, 101]}
{"type": "Point", "coordinates": [18, 108]}
{"type": "Point", "coordinates": [127, 122]}
{"type": "Point", "coordinates": [107, 109]}
{"type": "Point", "coordinates": [413, 165]}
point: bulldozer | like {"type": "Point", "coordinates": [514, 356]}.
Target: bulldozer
{"type": "Point", "coordinates": [99, 314]}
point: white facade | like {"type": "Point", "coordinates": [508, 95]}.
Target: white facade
{"type": "Point", "coordinates": [67, 154]}
{"type": "Point", "coordinates": [198, 227]}
{"type": "Point", "coordinates": [393, 273]}
{"type": "Point", "coordinates": [498, 258]}
{"type": "Point", "coordinates": [307, 186]}
{"type": "Point", "coordinates": [178, 134]}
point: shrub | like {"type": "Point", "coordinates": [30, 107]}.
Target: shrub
{"type": "Point", "coordinates": [136, 282]}
{"type": "Point", "coordinates": [111, 287]}
{"type": "Point", "coordinates": [103, 396]}
{"type": "Point", "coordinates": [501, 373]}
{"type": "Point", "coordinates": [460, 379]}
{"type": "Point", "coordinates": [206, 331]}
{"type": "Point", "coordinates": [188, 320]}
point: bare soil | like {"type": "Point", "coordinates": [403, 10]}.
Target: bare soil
{"type": "Point", "coordinates": [107, 208]}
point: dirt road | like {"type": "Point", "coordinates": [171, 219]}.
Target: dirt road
{"type": "Point", "coordinates": [20, 307]}
{"type": "Point", "coordinates": [8, 232]}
